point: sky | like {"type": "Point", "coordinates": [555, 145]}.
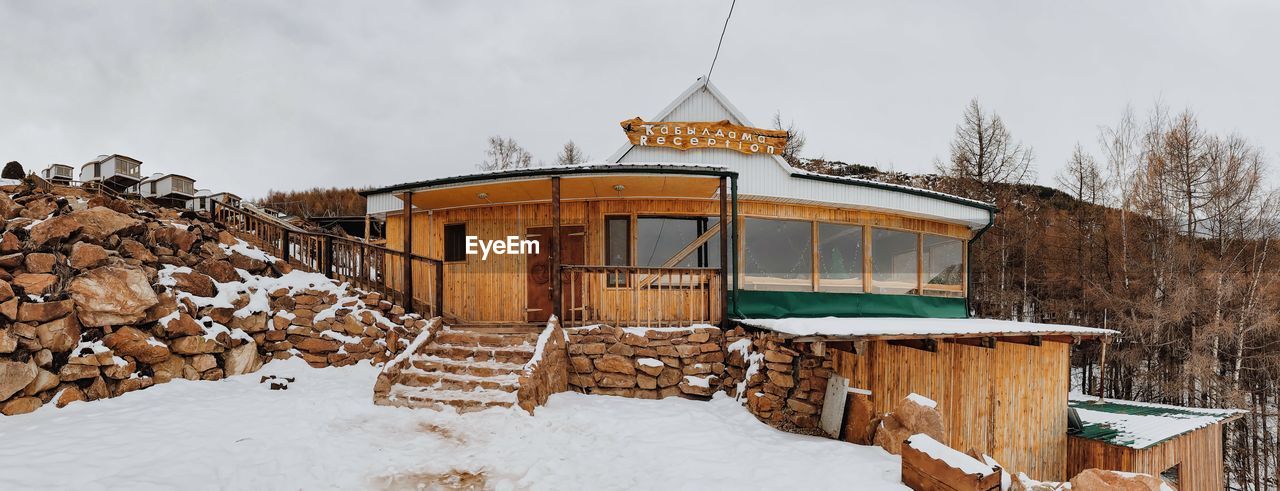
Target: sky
{"type": "Point", "coordinates": [247, 96]}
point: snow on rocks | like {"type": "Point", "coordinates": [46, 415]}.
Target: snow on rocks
{"type": "Point", "coordinates": [649, 363]}
{"type": "Point", "coordinates": [324, 433]}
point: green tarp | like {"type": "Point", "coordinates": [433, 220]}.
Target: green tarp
{"type": "Point", "coordinates": [759, 304]}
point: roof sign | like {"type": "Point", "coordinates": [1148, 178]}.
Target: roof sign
{"type": "Point", "coordinates": [698, 135]}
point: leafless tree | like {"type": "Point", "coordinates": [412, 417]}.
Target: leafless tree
{"type": "Point", "coordinates": [984, 152]}
{"type": "Point", "coordinates": [795, 139]}
{"type": "Point", "coordinates": [571, 155]}
{"type": "Point", "coordinates": [505, 153]}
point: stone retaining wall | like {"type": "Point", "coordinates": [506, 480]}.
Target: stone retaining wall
{"type": "Point", "coordinates": [646, 363]}
{"type": "Point", "coordinates": [547, 373]}
{"type": "Point", "coordinates": [781, 385]}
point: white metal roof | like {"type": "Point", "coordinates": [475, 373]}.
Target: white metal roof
{"type": "Point", "coordinates": [853, 327]}
{"type": "Point", "coordinates": [1141, 424]}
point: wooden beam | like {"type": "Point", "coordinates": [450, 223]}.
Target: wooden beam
{"type": "Point", "coordinates": [724, 253]}
{"type": "Point", "coordinates": [984, 342]}
{"type": "Point", "coordinates": [1027, 340]}
{"type": "Point", "coordinates": [681, 254]}
{"type": "Point", "coordinates": [556, 308]}
{"type": "Point", "coordinates": [407, 252]}
{"type": "Point", "coordinates": [930, 345]}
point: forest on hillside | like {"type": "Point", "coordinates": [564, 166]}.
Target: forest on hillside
{"type": "Point", "coordinates": [1168, 236]}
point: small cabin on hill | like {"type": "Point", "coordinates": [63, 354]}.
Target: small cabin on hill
{"type": "Point", "coordinates": [699, 220]}
{"type": "Point", "coordinates": [204, 199]}
{"type": "Point", "coordinates": [167, 189]}
{"type": "Point", "coordinates": [58, 174]}
{"type": "Point", "coordinates": [115, 171]}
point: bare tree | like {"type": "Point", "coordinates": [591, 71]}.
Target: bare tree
{"type": "Point", "coordinates": [795, 139]}
{"type": "Point", "coordinates": [505, 153]}
{"type": "Point", "coordinates": [985, 153]}
{"type": "Point", "coordinates": [571, 155]}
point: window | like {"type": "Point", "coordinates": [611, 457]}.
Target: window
{"type": "Point", "coordinates": [839, 258]}
{"type": "Point", "coordinates": [893, 261]}
{"type": "Point", "coordinates": [659, 239]}
{"type": "Point", "coordinates": [455, 242]}
{"type": "Point", "coordinates": [153, 187]}
{"type": "Point", "coordinates": [617, 246]}
{"type": "Point", "coordinates": [943, 259]}
{"type": "Point", "coordinates": [778, 255]}
{"type": "Point", "coordinates": [203, 204]}
{"type": "Point", "coordinates": [97, 169]}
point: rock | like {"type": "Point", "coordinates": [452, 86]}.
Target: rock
{"type": "Point", "coordinates": [44, 312]}
{"type": "Point", "coordinates": [258, 322]}
{"type": "Point", "coordinates": [120, 371]}
{"type": "Point", "coordinates": [40, 262]}
{"type": "Point", "coordinates": [616, 380]}
{"type": "Point", "coordinates": [6, 291]}
{"type": "Point", "coordinates": [86, 256]}
{"type": "Point", "coordinates": [697, 389]}
{"type": "Point", "coordinates": [775, 356]}
{"type": "Point", "coordinates": [168, 370]}
{"type": "Point", "coordinates": [220, 271]}
{"type": "Point", "coordinates": [1103, 480]}
{"type": "Point", "coordinates": [177, 238]}
{"type": "Point", "coordinates": [8, 341]}
{"type": "Point", "coordinates": [132, 384]}
{"type": "Point", "coordinates": [699, 336]}
{"type": "Point", "coordinates": [241, 359]}
{"type": "Point", "coordinates": [60, 335]}
{"type": "Point", "coordinates": [615, 364]}
{"type": "Point", "coordinates": [129, 341]}
{"type": "Point", "coordinates": [44, 380]}
{"type": "Point", "coordinates": [9, 309]}
{"type": "Point", "coordinates": [921, 419]}
{"type": "Point", "coordinates": [890, 435]}
{"type": "Point", "coordinates": [651, 370]}
{"type": "Point", "coordinates": [247, 263]}
{"type": "Point", "coordinates": [35, 283]}
{"type": "Point", "coordinates": [133, 249]}
{"type": "Point", "coordinates": [9, 242]}
{"type": "Point", "coordinates": [316, 345]}
{"type": "Point", "coordinates": [21, 405]}
{"type": "Point", "coordinates": [195, 345]}
{"type": "Point", "coordinates": [801, 407]}
{"type": "Point", "coordinates": [203, 362]}
{"type": "Point", "coordinates": [15, 376]}
{"type": "Point", "coordinates": [112, 295]}
{"type": "Point", "coordinates": [69, 395]}
{"type": "Point", "coordinates": [195, 283]}
{"type": "Point", "coordinates": [71, 372]}
{"type": "Point", "coordinates": [58, 228]}
{"type": "Point", "coordinates": [97, 390]}
{"type": "Point", "coordinates": [183, 325]}
{"type": "Point", "coordinates": [101, 222]}
{"type": "Point", "coordinates": [11, 261]}
{"type": "Point", "coordinates": [781, 379]}
{"type": "Point", "coordinates": [669, 377]}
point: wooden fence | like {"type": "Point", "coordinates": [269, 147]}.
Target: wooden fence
{"type": "Point", "coordinates": [366, 266]}
{"type": "Point", "coordinates": [641, 296]}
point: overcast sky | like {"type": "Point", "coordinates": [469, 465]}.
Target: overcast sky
{"type": "Point", "coordinates": [257, 95]}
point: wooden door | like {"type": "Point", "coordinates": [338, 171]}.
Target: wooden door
{"type": "Point", "coordinates": [538, 280]}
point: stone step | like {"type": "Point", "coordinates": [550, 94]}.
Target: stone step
{"type": "Point", "coordinates": [473, 338]}
{"type": "Point", "coordinates": [505, 354]}
{"type": "Point", "coordinates": [452, 381]}
{"type": "Point", "coordinates": [428, 363]}
{"type": "Point", "coordinates": [463, 401]}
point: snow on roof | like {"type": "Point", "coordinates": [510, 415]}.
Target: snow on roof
{"type": "Point", "coordinates": [1140, 425]}
{"type": "Point", "coordinates": [903, 326]}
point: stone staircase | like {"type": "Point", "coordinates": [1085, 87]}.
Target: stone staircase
{"type": "Point", "coordinates": [469, 370]}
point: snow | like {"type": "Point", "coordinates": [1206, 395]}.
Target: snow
{"type": "Point", "coordinates": [248, 251]}
{"type": "Point", "coordinates": [541, 346]}
{"type": "Point", "coordinates": [325, 433]}
{"type": "Point", "coordinates": [649, 362]}
{"type": "Point", "coordinates": [922, 400]}
{"type": "Point", "coordinates": [887, 326]}
{"type": "Point", "coordinates": [1144, 430]}
{"type": "Point", "coordinates": [948, 455]}
{"type": "Point", "coordinates": [699, 381]}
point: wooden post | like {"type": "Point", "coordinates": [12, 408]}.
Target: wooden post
{"type": "Point", "coordinates": [284, 244]}
{"type": "Point", "coordinates": [1102, 370]}
{"type": "Point", "coordinates": [439, 288]}
{"type": "Point", "coordinates": [555, 247]}
{"type": "Point", "coordinates": [407, 251]}
{"type": "Point", "coordinates": [328, 256]}
{"type": "Point", "coordinates": [724, 252]}
{"type": "Point", "coordinates": [366, 227]}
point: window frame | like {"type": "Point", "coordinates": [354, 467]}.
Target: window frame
{"type": "Point", "coordinates": [444, 238]}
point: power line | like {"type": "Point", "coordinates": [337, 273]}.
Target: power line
{"type": "Point", "coordinates": [721, 41]}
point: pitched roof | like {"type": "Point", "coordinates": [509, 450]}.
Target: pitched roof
{"type": "Point", "coordinates": [1140, 425]}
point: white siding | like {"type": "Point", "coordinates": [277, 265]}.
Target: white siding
{"type": "Point", "coordinates": [382, 203]}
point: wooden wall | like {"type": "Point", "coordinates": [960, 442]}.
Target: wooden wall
{"type": "Point", "coordinates": [1009, 402]}
{"type": "Point", "coordinates": [1198, 455]}
{"type": "Point", "coordinates": [473, 287]}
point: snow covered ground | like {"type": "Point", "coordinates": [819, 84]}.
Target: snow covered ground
{"type": "Point", "coordinates": [324, 433]}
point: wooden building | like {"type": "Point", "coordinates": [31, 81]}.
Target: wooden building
{"type": "Point", "coordinates": [1181, 445]}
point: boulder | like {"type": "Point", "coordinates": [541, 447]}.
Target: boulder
{"type": "Point", "coordinates": [195, 345]}
{"type": "Point", "coordinates": [174, 237]}
{"type": "Point", "coordinates": [11, 261]}
{"type": "Point", "coordinates": [203, 362]}
{"type": "Point", "coordinates": [1102, 480]}
{"type": "Point", "coordinates": [129, 341]}
{"type": "Point", "coordinates": [97, 390]}
{"type": "Point", "coordinates": [183, 325]}
{"type": "Point", "coordinates": [220, 271]}
{"type": "Point", "coordinates": [45, 311]}
{"type": "Point", "coordinates": [316, 345]}
{"type": "Point", "coordinates": [890, 434]}
{"type": "Point", "coordinates": [21, 405]}
{"type": "Point", "coordinates": [87, 256]}
{"type": "Point", "coordinates": [921, 419]}
{"type": "Point", "coordinates": [40, 262]}
{"type": "Point", "coordinates": [112, 295]}
{"type": "Point", "coordinates": [241, 359]}
{"type": "Point", "coordinates": [9, 309]}
{"type": "Point", "coordinates": [247, 263]}
{"type": "Point", "coordinates": [101, 222]}
{"type": "Point", "coordinates": [56, 229]}
{"type": "Point", "coordinates": [8, 341]}
{"type": "Point", "coordinates": [195, 283]}
{"type": "Point", "coordinates": [69, 395]}
{"type": "Point", "coordinates": [132, 384]}
{"type": "Point", "coordinates": [6, 291]}
{"type": "Point", "coordinates": [9, 242]}
{"type": "Point", "coordinates": [60, 335]}
{"type": "Point", "coordinates": [35, 283]}
{"type": "Point", "coordinates": [133, 249]}
{"type": "Point", "coordinates": [71, 372]}
{"type": "Point", "coordinates": [168, 370]}
{"type": "Point", "coordinates": [44, 380]}
{"type": "Point", "coordinates": [615, 364]}
{"type": "Point", "coordinates": [15, 376]}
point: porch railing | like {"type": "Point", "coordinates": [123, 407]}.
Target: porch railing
{"type": "Point", "coordinates": [641, 296]}
{"type": "Point", "coordinates": [367, 266]}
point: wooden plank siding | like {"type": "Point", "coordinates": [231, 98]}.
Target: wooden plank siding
{"type": "Point", "coordinates": [472, 287]}
{"type": "Point", "coordinates": [1198, 455]}
{"type": "Point", "coordinates": [1009, 402]}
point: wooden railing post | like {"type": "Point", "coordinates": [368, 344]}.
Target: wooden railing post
{"type": "Point", "coordinates": [724, 252]}
{"type": "Point", "coordinates": [407, 251]}
{"type": "Point", "coordinates": [556, 307]}
{"type": "Point", "coordinates": [328, 256]}
{"type": "Point", "coordinates": [284, 244]}
{"type": "Point", "coordinates": [439, 288]}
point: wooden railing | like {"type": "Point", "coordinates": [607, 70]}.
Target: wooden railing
{"type": "Point", "coordinates": [367, 266]}
{"type": "Point", "coordinates": [641, 296]}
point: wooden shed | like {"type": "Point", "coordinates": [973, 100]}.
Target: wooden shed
{"type": "Point", "coordinates": [1182, 445]}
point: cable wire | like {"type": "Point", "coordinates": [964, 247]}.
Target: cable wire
{"type": "Point", "coordinates": [721, 41]}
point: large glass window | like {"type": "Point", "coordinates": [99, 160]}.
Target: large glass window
{"type": "Point", "coordinates": [617, 240]}
{"type": "Point", "coordinates": [659, 239]}
{"type": "Point", "coordinates": [778, 255]}
{"type": "Point", "coordinates": [943, 259]}
{"type": "Point", "coordinates": [894, 256]}
{"type": "Point", "coordinates": [839, 258]}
